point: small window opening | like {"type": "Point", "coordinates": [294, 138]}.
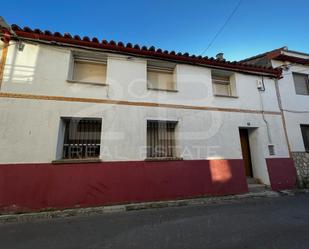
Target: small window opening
{"type": "Point", "coordinates": [82, 138]}
{"type": "Point", "coordinates": [161, 139]}
{"type": "Point", "coordinates": [271, 149]}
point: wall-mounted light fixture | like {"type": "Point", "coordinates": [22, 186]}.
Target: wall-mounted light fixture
{"type": "Point", "coordinates": [21, 46]}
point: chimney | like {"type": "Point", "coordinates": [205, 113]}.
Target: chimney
{"type": "Point", "coordinates": [220, 57]}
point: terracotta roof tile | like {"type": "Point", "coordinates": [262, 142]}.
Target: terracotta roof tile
{"type": "Point", "coordinates": [139, 50]}
{"type": "Point", "coordinates": [67, 35]}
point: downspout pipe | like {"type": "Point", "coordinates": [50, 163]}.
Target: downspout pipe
{"type": "Point", "coordinates": [6, 37]}
{"type": "Point", "coordinates": [282, 116]}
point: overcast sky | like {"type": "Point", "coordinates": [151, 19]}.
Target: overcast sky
{"type": "Point", "coordinates": [248, 27]}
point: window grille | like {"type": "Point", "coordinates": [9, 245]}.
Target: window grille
{"type": "Point", "coordinates": [82, 138]}
{"type": "Point", "coordinates": [161, 139]}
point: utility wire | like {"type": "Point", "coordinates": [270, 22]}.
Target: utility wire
{"type": "Point", "coordinates": [223, 26]}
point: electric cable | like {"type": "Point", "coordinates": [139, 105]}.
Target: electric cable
{"type": "Point", "coordinates": [223, 26]}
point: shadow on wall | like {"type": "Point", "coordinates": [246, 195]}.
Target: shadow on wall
{"type": "Point", "coordinates": [20, 68]}
{"type": "Point", "coordinates": [35, 67]}
{"type": "Point", "coordinates": [46, 186]}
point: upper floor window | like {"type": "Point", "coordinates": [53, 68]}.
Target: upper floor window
{"type": "Point", "coordinates": [88, 68]}
{"type": "Point", "coordinates": [82, 138]}
{"type": "Point", "coordinates": [305, 134]}
{"type": "Point", "coordinates": [301, 82]}
{"type": "Point", "coordinates": [223, 83]}
{"type": "Point", "coordinates": [160, 76]}
{"type": "Point", "coordinates": [161, 139]}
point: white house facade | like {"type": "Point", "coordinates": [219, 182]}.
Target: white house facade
{"type": "Point", "coordinates": [294, 97]}
{"type": "Point", "coordinates": [85, 123]}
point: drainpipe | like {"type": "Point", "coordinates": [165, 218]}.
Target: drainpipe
{"type": "Point", "coordinates": [6, 37]}
{"type": "Point", "coordinates": [282, 116]}
{"type": "Point", "coordinates": [263, 115]}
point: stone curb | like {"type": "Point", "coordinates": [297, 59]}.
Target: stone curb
{"type": "Point", "coordinates": [26, 217]}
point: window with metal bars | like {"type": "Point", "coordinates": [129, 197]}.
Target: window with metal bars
{"type": "Point", "coordinates": [161, 139]}
{"type": "Point", "coordinates": [82, 138]}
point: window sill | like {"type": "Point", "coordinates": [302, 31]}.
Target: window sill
{"type": "Point", "coordinates": [226, 96]}
{"type": "Point", "coordinates": [70, 161]}
{"type": "Point", "coordinates": [87, 82]}
{"type": "Point", "coordinates": [302, 94]}
{"type": "Point", "coordinates": [154, 159]}
{"type": "Point", "coordinates": [165, 90]}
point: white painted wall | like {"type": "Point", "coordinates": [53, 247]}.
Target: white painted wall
{"type": "Point", "coordinates": [30, 128]}
{"type": "Point", "coordinates": [293, 122]}
{"type": "Point", "coordinates": [42, 69]}
{"type": "Point", "coordinates": [296, 106]}
{"type": "Point", "coordinates": [29, 131]}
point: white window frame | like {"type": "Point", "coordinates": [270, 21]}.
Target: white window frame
{"type": "Point", "coordinates": [231, 83]}
{"type": "Point", "coordinates": [162, 67]}
{"type": "Point", "coordinates": [90, 58]}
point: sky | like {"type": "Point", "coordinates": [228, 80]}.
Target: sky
{"type": "Point", "coordinates": [256, 26]}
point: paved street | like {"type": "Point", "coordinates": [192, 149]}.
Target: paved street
{"type": "Point", "coordinates": [256, 223]}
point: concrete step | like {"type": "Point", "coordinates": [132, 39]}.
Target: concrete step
{"type": "Point", "coordinates": [254, 188]}
{"type": "Point", "coordinates": [251, 180]}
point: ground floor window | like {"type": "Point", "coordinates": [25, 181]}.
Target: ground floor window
{"type": "Point", "coordinates": [161, 139]}
{"type": "Point", "coordinates": [305, 134]}
{"type": "Point", "coordinates": [82, 138]}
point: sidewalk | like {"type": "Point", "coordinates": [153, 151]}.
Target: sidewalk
{"type": "Point", "coordinates": [145, 205]}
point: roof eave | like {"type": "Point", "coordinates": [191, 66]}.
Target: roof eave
{"type": "Point", "coordinates": [144, 52]}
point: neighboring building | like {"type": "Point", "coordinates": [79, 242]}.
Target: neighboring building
{"type": "Point", "coordinates": [87, 123]}
{"type": "Point", "coordinates": [294, 96]}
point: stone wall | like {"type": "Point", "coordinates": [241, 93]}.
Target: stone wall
{"type": "Point", "coordinates": [301, 160]}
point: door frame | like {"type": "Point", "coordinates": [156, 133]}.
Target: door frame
{"type": "Point", "coordinates": [246, 148]}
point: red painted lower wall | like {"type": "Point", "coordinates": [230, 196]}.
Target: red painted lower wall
{"type": "Point", "coordinates": [40, 186]}
{"type": "Point", "coordinates": [282, 173]}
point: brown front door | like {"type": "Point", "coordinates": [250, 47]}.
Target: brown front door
{"type": "Point", "coordinates": [245, 147]}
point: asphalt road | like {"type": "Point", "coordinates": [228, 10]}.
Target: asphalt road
{"type": "Point", "coordinates": [256, 223]}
